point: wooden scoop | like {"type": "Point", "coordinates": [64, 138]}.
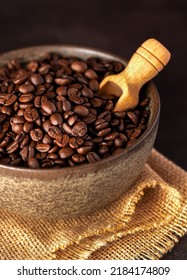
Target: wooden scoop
{"type": "Point", "coordinates": [149, 59]}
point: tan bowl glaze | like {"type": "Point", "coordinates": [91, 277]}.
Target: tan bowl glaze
{"type": "Point", "coordinates": [73, 191]}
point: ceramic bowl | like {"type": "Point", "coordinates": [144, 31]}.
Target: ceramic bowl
{"type": "Point", "coordinates": [75, 191]}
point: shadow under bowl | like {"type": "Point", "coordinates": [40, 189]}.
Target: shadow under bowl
{"type": "Point", "coordinates": [73, 191]}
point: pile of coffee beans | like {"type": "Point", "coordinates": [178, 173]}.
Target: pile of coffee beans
{"type": "Point", "coordinates": [51, 114]}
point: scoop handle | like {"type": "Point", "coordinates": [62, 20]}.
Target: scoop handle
{"type": "Point", "coordinates": [148, 60]}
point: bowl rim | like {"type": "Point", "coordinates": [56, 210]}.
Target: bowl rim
{"type": "Point", "coordinates": [95, 165]}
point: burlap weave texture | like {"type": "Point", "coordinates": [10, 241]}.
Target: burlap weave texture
{"type": "Point", "coordinates": [144, 223]}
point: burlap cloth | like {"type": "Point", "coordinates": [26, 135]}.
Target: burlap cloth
{"type": "Point", "coordinates": [144, 223]}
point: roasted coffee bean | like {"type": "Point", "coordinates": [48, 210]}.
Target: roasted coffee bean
{"type": "Point", "coordinates": [6, 110]}
{"type": "Point", "coordinates": [26, 97]}
{"type": "Point", "coordinates": [43, 147]}
{"type": "Point", "coordinates": [61, 91]}
{"type": "Point", "coordinates": [36, 134]}
{"type": "Point", "coordinates": [48, 106]}
{"type": "Point", "coordinates": [26, 88]}
{"type": "Point", "coordinates": [47, 139]}
{"type": "Point", "coordinates": [31, 114]}
{"type": "Point", "coordinates": [67, 129]}
{"type": "Point", "coordinates": [79, 129]}
{"type": "Point", "coordinates": [79, 66]}
{"type": "Point", "coordinates": [5, 142]}
{"type": "Point", "coordinates": [84, 150]}
{"type": "Point", "coordinates": [20, 79]}
{"type": "Point", "coordinates": [66, 105]}
{"type": "Point", "coordinates": [91, 74]}
{"type": "Point", "coordinates": [56, 119]}
{"type": "Point", "coordinates": [17, 128]}
{"type": "Point", "coordinates": [90, 118]}
{"type": "Point", "coordinates": [65, 152]}
{"type": "Point", "coordinates": [25, 141]}
{"type": "Point", "coordinates": [92, 157]}
{"type": "Point", "coordinates": [20, 136]}
{"type": "Point", "coordinates": [72, 120]}
{"type": "Point", "coordinates": [96, 102]}
{"type": "Point", "coordinates": [112, 136]}
{"type": "Point", "coordinates": [77, 158]}
{"type": "Point", "coordinates": [87, 92]}
{"type": "Point", "coordinates": [135, 133]}
{"type": "Point", "coordinates": [36, 79]}
{"type": "Point", "coordinates": [13, 147]}
{"type": "Point", "coordinates": [9, 99]}
{"type": "Point", "coordinates": [27, 127]}
{"type": "Point", "coordinates": [17, 119]}
{"type": "Point", "coordinates": [54, 131]}
{"type": "Point", "coordinates": [103, 150]}
{"type": "Point", "coordinates": [62, 140]}
{"type": "Point", "coordinates": [76, 99]}
{"type": "Point", "coordinates": [32, 66]}
{"type": "Point", "coordinates": [104, 132]}
{"type": "Point", "coordinates": [75, 142]}
{"type": "Point", "coordinates": [132, 117]}
{"type": "Point", "coordinates": [101, 124]}
{"type": "Point", "coordinates": [94, 85]}
{"type": "Point", "coordinates": [33, 163]}
{"type": "Point", "coordinates": [81, 110]}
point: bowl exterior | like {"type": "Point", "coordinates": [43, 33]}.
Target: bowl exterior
{"type": "Point", "coordinates": [74, 191]}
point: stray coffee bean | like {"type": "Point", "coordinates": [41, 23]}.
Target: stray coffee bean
{"type": "Point", "coordinates": [51, 114]}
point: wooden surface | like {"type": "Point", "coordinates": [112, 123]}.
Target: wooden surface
{"type": "Point", "coordinates": [119, 29]}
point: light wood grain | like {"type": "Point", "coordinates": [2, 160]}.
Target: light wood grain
{"type": "Point", "coordinates": [148, 60]}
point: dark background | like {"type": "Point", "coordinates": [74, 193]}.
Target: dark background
{"type": "Point", "coordinates": [119, 27]}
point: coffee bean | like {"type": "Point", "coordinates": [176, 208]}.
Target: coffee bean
{"type": "Point", "coordinates": [26, 88]}
{"type": "Point", "coordinates": [79, 129]}
{"type": "Point", "coordinates": [27, 127]}
{"type": "Point", "coordinates": [86, 92]}
{"type": "Point", "coordinates": [104, 132]}
{"type": "Point", "coordinates": [33, 163]}
{"type": "Point", "coordinates": [66, 105]}
{"type": "Point", "coordinates": [36, 134]}
{"type": "Point", "coordinates": [91, 74]}
{"type": "Point", "coordinates": [96, 102]}
{"type": "Point", "coordinates": [94, 85]}
{"type": "Point", "coordinates": [62, 140]}
{"type": "Point", "coordinates": [67, 129]}
{"type": "Point", "coordinates": [101, 124]}
{"type": "Point", "coordinates": [17, 119]}
{"type": "Point", "coordinates": [54, 131]}
{"type": "Point", "coordinates": [79, 66]}
{"type": "Point", "coordinates": [111, 136]}
{"type": "Point", "coordinates": [17, 128]}
{"type": "Point", "coordinates": [43, 147]}
{"type": "Point", "coordinates": [75, 142]}
{"type": "Point", "coordinates": [56, 119]}
{"type": "Point", "coordinates": [13, 147]}
{"type": "Point", "coordinates": [77, 158]}
{"type": "Point", "coordinates": [31, 114]}
{"type": "Point", "coordinates": [76, 99]}
{"type": "Point", "coordinates": [84, 150]}
{"type": "Point", "coordinates": [92, 157]}
{"type": "Point", "coordinates": [36, 79]}
{"type": "Point", "coordinates": [32, 66]}
{"type": "Point", "coordinates": [48, 106]}
{"type": "Point", "coordinates": [65, 152]}
{"type": "Point", "coordinates": [135, 133]}
{"type": "Point", "coordinates": [5, 142]}
{"type": "Point", "coordinates": [20, 136]}
{"type": "Point", "coordinates": [26, 97]}
{"type": "Point", "coordinates": [61, 91]}
{"type": "Point", "coordinates": [72, 120]}
{"type": "Point", "coordinates": [132, 117]}
{"type": "Point", "coordinates": [47, 139]}
{"type": "Point", "coordinates": [81, 110]}
{"type": "Point", "coordinates": [9, 99]}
